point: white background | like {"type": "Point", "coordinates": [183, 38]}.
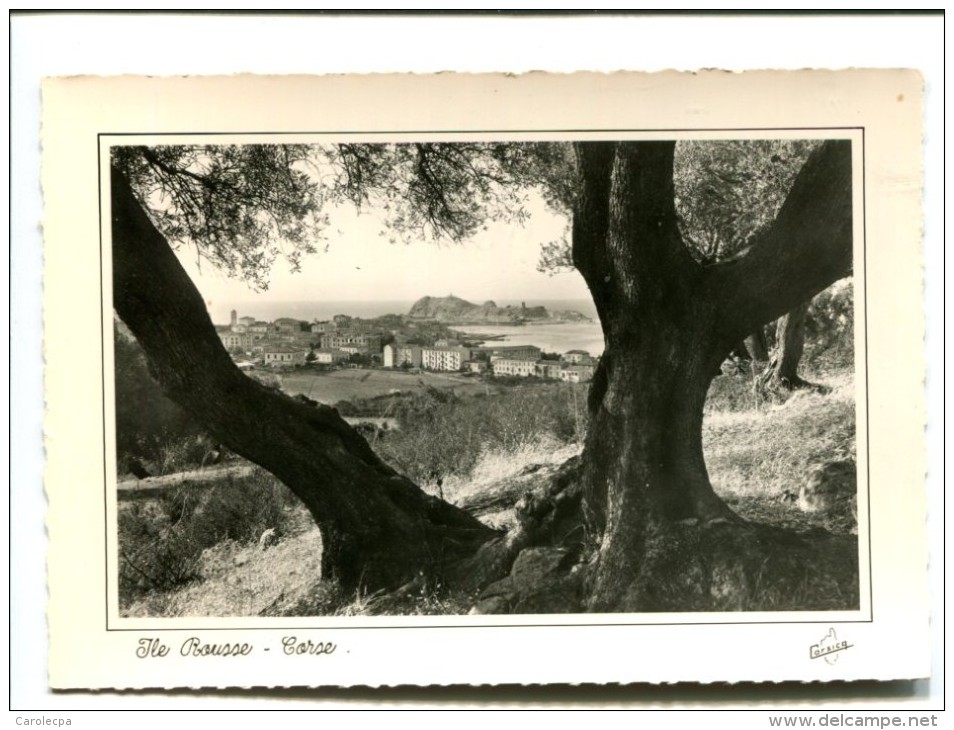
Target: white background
{"type": "Point", "coordinates": [56, 45]}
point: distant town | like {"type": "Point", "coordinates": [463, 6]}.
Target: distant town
{"type": "Point", "coordinates": [393, 341]}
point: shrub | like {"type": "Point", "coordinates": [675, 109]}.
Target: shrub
{"type": "Point", "coordinates": [161, 540]}
{"type": "Point", "coordinates": [829, 328]}
{"type": "Point", "coordinates": [183, 453]}
{"type": "Point", "coordinates": [443, 434]}
{"type": "Point", "coordinates": [733, 393]}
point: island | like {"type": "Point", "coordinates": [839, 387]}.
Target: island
{"type": "Point", "coordinates": [454, 310]}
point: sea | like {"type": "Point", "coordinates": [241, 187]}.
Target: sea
{"type": "Point", "coordinates": [549, 337]}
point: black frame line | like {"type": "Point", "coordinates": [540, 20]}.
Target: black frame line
{"type": "Point", "coordinates": [482, 132]}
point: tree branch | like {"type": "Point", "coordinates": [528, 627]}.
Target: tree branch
{"type": "Point", "coordinates": [807, 248]}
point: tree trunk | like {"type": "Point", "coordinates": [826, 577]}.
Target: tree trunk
{"type": "Point", "coordinates": [643, 458]}
{"type": "Point", "coordinates": [782, 374]}
{"type": "Point", "coordinates": [668, 324]}
{"type": "Point", "coordinates": [379, 530]}
{"type": "Point", "coordinates": [757, 347]}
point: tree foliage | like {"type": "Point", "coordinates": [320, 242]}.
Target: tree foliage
{"type": "Point", "coordinates": [439, 190]}
{"type": "Point", "coordinates": [726, 191]}
{"type": "Point", "coordinates": [240, 206]}
{"type": "Point", "coordinates": [829, 326]}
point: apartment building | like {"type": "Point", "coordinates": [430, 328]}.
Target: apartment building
{"type": "Point", "coordinates": [397, 355]}
{"type": "Point", "coordinates": [232, 340]}
{"type": "Point", "coordinates": [448, 359]}
{"type": "Point", "coordinates": [510, 366]}
{"type": "Point", "coordinates": [338, 340]}
{"type": "Point", "coordinates": [549, 369]}
{"type": "Point", "coordinates": [512, 352]}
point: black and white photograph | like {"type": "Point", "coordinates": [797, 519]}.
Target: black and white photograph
{"type": "Point", "coordinates": [573, 376]}
{"type": "Point", "coordinates": [429, 380]}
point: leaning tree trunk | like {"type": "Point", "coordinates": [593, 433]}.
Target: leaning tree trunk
{"type": "Point", "coordinates": [668, 322]}
{"type": "Point", "coordinates": [379, 530]}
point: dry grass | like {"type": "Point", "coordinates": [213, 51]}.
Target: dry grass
{"type": "Point", "coordinates": [755, 458]}
{"type": "Point", "coordinates": [498, 465]}
{"type": "Point", "coordinates": [243, 580]}
{"type": "Point", "coordinates": [164, 541]}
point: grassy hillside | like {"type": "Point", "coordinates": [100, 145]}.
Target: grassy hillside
{"type": "Point", "coordinates": [759, 454]}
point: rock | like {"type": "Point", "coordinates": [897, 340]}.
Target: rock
{"type": "Point", "coordinates": [490, 606]}
{"type": "Point", "coordinates": [829, 485]}
{"type": "Point", "coordinates": [541, 581]}
{"type": "Point", "coordinates": [536, 566]}
{"type": "Point", "coordinates": [503, 587]}
{"type": "Point", "coordinates": [544, 583]}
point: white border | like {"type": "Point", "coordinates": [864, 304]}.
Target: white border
{"type": "Point", "coordinates": [69, 45]}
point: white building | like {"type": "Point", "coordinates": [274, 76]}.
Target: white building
{"type": "Point", "coordinates": [281, 355]}
{"type": "Point", "coordinates": [233, 340]}
{"type": "Point", "coordinates": [448, 359]}
{"type": "Point", "coordinates": [576, 373]}
{"type": "Point", "coordinates": [329, 357]}
{"type": "Point", "coordinates": [354, 349]}
{"type": "Point", "coordinates": [509, 366]}
{"type": "Point", "coordinates": [397, 355]}
{"type": "Point", "coordinates": [577, 356]}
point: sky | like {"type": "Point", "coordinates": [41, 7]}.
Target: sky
{"type": "Point", "coordinates": [361, 264]}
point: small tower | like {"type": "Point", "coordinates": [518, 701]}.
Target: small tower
{"type": "Point", "coordinates": [234, 318]}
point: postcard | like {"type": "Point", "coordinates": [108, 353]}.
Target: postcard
{"type": "Point", "coordinates": [484, 379]}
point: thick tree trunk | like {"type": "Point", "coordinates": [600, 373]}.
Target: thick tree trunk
{"type": "Point", "coordinates": [643, 459]}
{"type": "Point", "coordinates": [379, 530]}
{"type": "Point", "coordinates": [668, 323]}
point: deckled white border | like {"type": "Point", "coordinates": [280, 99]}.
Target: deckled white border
{"type": "Point", "coordinates": [908, 47]}
{"type": "Point", "coordinates": [493, 650]}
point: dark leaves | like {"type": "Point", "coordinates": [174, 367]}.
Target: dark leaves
{"type": "Point", "coordinates": [728, 190]}
{"type": "Point", "coordinates": [240, 206]}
